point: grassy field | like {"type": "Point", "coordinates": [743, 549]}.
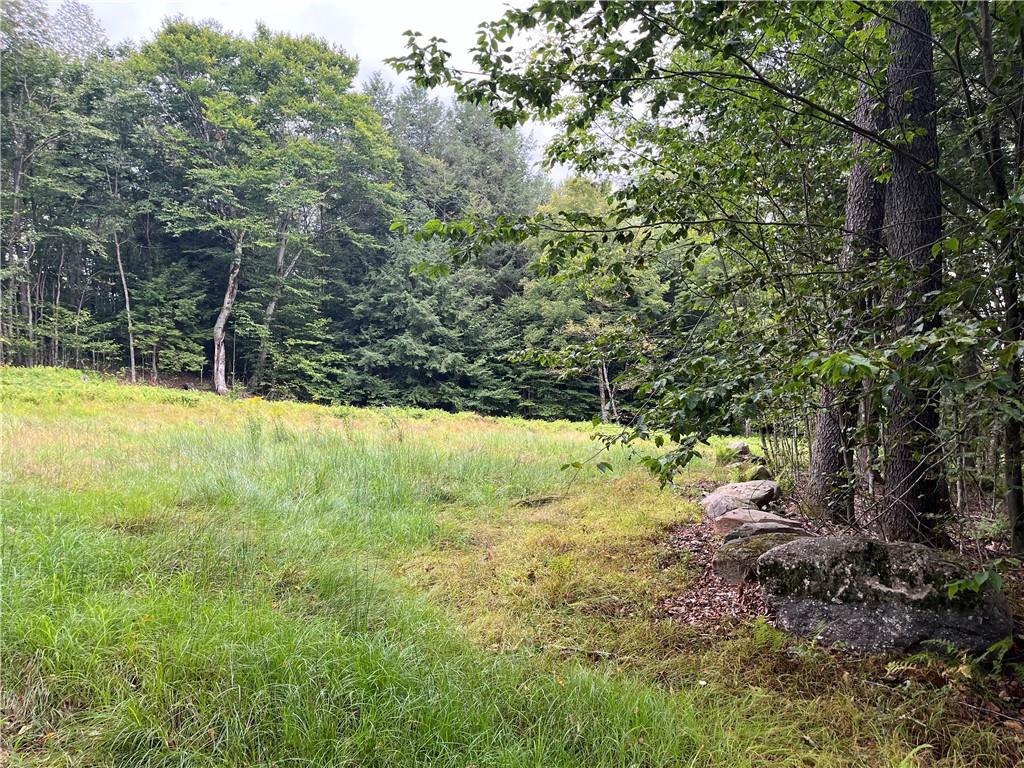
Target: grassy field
{"type": "Point", "coordinates": [193, 581]}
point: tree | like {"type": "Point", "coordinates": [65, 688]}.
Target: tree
{"type": "Point", "coordinates": [915, 486]}
{"type": "Point", "coordinates": [831, 476]}
{"type": "Point", "coordinates": [255, 128]}
{"type": "Point", "coordinates": [167, 322]}
{"type": "Point", "coordinates": [727, 123]}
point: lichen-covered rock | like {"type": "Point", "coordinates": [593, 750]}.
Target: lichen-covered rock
{"type": "Point", "coordinates": [725, 523]}
{"type": "Point", "coordinates": [784, 525]}
{"type": "Point", "coordinates": [736, 561]}
{"type": "Point", "coordinates": [873, 595]}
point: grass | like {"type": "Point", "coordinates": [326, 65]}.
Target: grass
{"type": "Point", "coordinates": [193, 581]}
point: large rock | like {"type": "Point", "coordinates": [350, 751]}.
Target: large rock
{"type": "Point", "coordinates": [725, 523]}
{"type": "Point", "coordinates": [783, 525]}
{"type": "Point", "coordinates": [755, 493]}
{"type": "Point", "coordinates": [872, 595]}
{"type": "Point", "coordinates": [750, 495]}
{"type": "Point", "coordinates": [736, 561]}
{"type": "Point", "coordinates": [717, 504]}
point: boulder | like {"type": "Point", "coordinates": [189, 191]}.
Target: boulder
{"type": "Point", "coordinates": [736, 561]}
{"type": "Point", "coordinates": [747, 530]}
{"type": "Point", "coordinates": [717, 504]}
{"type": "Point", "coordinates": [733, 519]}
{"type": "Point", "coordinates": [872, 595]}
{"type": "Point", "coordinates": [754, 493]}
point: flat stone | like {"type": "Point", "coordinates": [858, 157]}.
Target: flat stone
{"type": "Point", "coordinates": [873, 595]}
{"type": "Point", "coordinates": [736, 561]}
{"type": "Point", "coordinates": [755, 493]}
{"type": "Point", "coordinates": [747, 530]}
{"type": "Point", "coordinates": [733, 519]}
{"type": "Point", "coordinates": [717, 504]}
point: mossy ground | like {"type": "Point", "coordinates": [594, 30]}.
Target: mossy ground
{"type": "Point", "coordinates": [193, 581]}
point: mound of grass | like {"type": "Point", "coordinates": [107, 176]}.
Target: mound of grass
{"type": "Point", "coordinates": [192, 581]}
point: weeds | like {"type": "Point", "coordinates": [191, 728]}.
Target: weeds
{"type": "Point", "coordinates": [193, 581]}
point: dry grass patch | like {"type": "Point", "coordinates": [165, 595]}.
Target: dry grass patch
{"type": "Point", "coordinates": [582, 573]}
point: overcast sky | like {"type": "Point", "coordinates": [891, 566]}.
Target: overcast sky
{"type": "Point", "coordinates": [369, 29]}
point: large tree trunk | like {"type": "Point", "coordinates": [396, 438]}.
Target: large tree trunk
{"type": "Point", "coordinates": [832, 483]}
{"type": "Point", "coordinates": [916, 499]}
{"type": "Point", "coordinates": [220, 381]}
{"type": "Point", "coordinates": [830, 489]}
{"type": "Point", "coordinates": [127, 308]}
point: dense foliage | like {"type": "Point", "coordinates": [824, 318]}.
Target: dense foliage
{"type": "Point", "coordinates": [837, 193]}
{"type": "Point", "coordinates": [801, 219]}
{"type": "Point", "coordinates": [218, 209]}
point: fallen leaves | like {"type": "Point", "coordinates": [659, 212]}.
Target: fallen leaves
{"type": "Point", "coordinates": [707, 601]}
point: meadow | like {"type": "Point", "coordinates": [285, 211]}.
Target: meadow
{"type": "Point", "coordinates": [199, 581]}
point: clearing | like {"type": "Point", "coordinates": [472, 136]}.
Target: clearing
{"type": "Point", "coordinates": [195, 581]}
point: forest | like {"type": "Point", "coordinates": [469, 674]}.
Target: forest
{"type": "Point", "coordinates": [217, 210]}
{"type": "Point", "coordinates": [786, 220]}
{"type": "Point", "coordinates": [346, 423]}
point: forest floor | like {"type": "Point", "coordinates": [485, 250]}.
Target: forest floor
{"type": "Point", "coordinates": [195, 581]}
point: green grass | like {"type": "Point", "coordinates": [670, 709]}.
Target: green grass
{"type": "Point", "coordinates": [192, 581]}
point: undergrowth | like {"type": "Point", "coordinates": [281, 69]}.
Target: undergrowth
{"type": "Point", "coordinates": [192, 581]}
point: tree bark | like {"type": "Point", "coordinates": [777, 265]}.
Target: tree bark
{"type": "Point", "coordinates": [127, 307]}
{"type": "Point", "coordinates": [916, 498]}
{"type": "Point", "coordinates": [220, 383]}
{"type": "Point", "coordinates": [831, 485]}
{"type": "Point", "coordinates": [830, 490]}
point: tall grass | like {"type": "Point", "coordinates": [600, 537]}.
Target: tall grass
{"type": "Point", "coordinates": [189, 581]}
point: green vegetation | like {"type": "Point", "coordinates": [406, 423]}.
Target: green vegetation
{"type": "Point", "coordinates": [191, 580]}
{"type": "Point", "coordinates": [219, 208]}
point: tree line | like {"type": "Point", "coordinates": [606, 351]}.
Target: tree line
{"type": "Point", "coordinates": [835, 192]}
{"type": "Point", "coordinates": [221, 208]}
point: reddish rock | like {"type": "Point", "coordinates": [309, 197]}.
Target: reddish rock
{"type": "Point", "coordinates": [737, 517]}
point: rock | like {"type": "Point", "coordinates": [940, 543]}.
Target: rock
{"type": "Point", "coordinates": [759, 529]}
{"type": "Point", "coordinates": [740, 448]}
{"type": "Point", "coordinates": [761, 472]}
{"type": "Point", "coordinates": [736, 561]}
{"type": "Point", "coordinates": [754, 493]}
{"type": "Point", "coordinates": [742, 452]}
{"type": "Point", "coordinates": [717, 504]}
{"type": "Point", "coordinates": [733, 519]}
{"type": "Point", "coordinates": [872, 596]}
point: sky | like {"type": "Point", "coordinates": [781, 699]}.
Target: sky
{"type": "Point", "coordinates": [369, 29]}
